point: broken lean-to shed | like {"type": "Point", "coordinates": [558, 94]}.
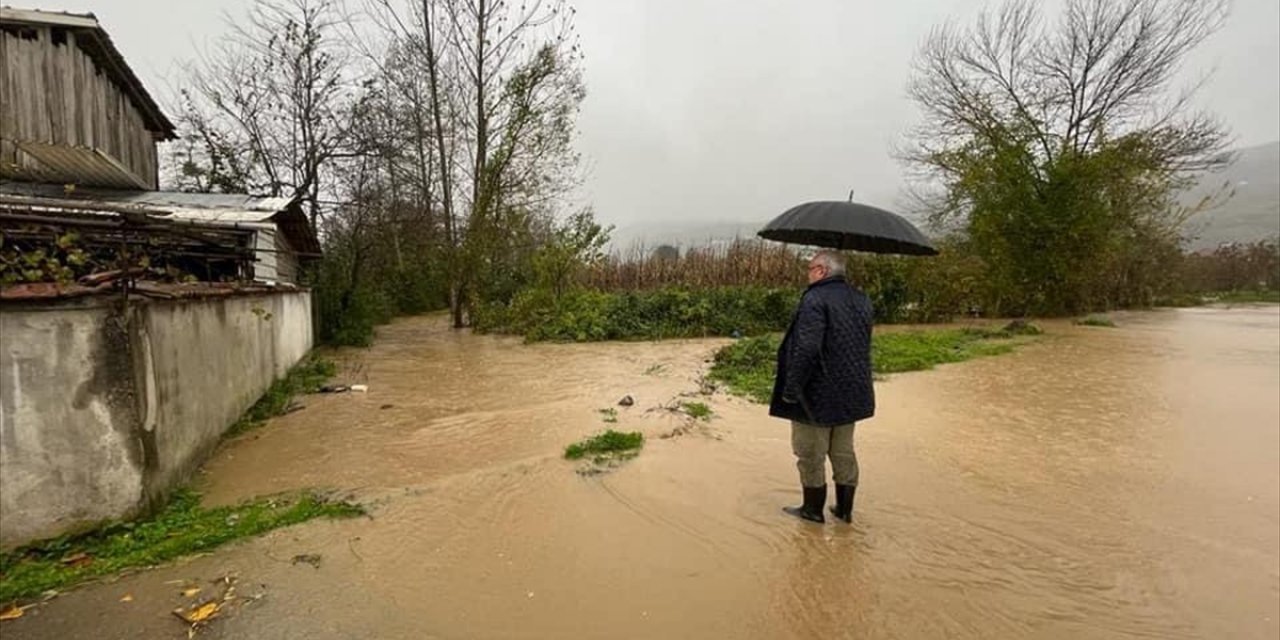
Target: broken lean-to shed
{"type": "Point", "coordinates": [224, 236]}
{"type": "Point", "coordinates": [136, 325]}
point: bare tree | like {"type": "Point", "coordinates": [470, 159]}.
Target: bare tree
{"type": "Point", "coordinates": [491, 89]}
{"type": "Point", "coordinates": [1102, 72]}
{"type": "Point", "coordinates": [268, 110]}
{"type": "Point", "coordinates": [1042, 132]}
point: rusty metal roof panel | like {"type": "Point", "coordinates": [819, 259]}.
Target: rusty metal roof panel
{"type": "Point", "coordinates": [83, 165]}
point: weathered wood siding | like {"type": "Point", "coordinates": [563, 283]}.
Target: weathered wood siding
{"type": "Point", "coordinates": [52, 93]}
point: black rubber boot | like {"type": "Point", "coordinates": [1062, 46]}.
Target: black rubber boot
{"type": "Point", "coordinates": [811, 510]}
{"type": "Point", "coordinates": [843, 508]}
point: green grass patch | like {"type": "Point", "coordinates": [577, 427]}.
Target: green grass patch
{"type": "Point", "coordinates": [305, 377]}
{"type": "Point", "coordinates": [697, 410]}
{"type": "Point", "coordinates": [1096, 320]}
{"type": "Point", "coordinates": [747, 366]}
{"type": "Point", "coordinates": [1245, 297]}
{"type": "Point", "coordinates": [608, 443]}
{"type": "Point", "coordinates": [181, 528]}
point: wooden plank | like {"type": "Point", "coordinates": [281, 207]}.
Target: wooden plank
{"type": "Point", "coordinates": [34, 17]}
{"type": "Point", "coordinates": [66, 77]}
{"type": "Point", "coordinates": [6, 110]}
{"type": "Point", "coordinates": [53, 91]}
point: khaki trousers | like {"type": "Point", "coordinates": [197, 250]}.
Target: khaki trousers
{"type": "Point", "coordinates": [813, 445]}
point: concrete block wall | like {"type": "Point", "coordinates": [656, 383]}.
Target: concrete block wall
{"type": "Point", "coordinates": [106, 408]}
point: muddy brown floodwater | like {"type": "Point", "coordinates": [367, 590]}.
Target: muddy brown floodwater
{"type": "Point", "coordinates": [1102, 483]}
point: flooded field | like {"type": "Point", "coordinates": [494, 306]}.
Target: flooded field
{"type": "Point", "coordinates": [1101, 483]}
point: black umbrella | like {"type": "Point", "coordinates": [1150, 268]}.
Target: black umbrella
{"type": "Point", "coordinates": [848, 226]}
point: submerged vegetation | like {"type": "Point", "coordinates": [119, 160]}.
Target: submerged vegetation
{"type": "Point", "coordinates": [697, 410]}
{"type": "Point", "coordinates": [1096, 320]}
{"type": "Point", "coordinates": [608, 444]}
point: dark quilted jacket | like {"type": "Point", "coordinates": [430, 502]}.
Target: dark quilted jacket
{"type": "Point", "coordinates": [824, 363]}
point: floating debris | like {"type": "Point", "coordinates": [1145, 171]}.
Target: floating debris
{"type": "Point", "coordinates": [312, 559]}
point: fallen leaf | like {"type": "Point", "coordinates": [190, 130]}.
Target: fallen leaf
{"type": "Point", "coordinates": [187, 593]}
{"type": "Point", "coordinates": [14, 612]}
{"type": "Point", "coordinates": [199, 614]}
{"type": "Point", "coordinates": [128, 597]}
{"type": "Point", "coordinates": [205, 612]}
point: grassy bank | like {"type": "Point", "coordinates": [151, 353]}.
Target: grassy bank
{"type": "Point", "coordinates": [1244, 296]}
{"type": "Point", "coordinates": [305, 377]}
{"type": "Point", "coordinates": [181, 528]}
{"type": "Point", "coordinates": [747, 366]}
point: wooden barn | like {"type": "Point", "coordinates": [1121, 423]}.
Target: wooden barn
{"type": "Point", "coordinates": [78, 143]}
{"type": "Point", "coordinates": [71, 110]}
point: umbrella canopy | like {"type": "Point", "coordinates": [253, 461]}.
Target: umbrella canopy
{"type": "Point", "coordinates": [848, 226]}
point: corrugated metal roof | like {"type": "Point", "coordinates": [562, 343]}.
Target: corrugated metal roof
{"type": "Point", "coordinates": [78, 164]}
{"type": "Point", "coordinates": [53, 18]}
{"type": "Point", "coordinates": [209, 208]}
{"type": "Point", "coordinates": [98, 46]}
{"type": "Point", "coordinates": [234, 206]}
{"type": "Point", "coordinates": [38, 291]}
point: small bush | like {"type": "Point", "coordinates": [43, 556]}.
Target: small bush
{"type": "Point", "coordinates": [609, 442]}
{"type": "Point", "coordinates": [1020, 328]}
{"type": "Point", "coordinates": [586, 316]}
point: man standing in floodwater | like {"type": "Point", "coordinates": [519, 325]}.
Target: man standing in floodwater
{"type": "Point", "coordinates": [824, 386]}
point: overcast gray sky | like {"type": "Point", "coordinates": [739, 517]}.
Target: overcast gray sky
{"type": "Point", "coordinates": [731, 111]}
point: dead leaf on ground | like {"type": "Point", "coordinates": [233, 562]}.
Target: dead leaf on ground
{"type": "Point", "coordinates": [128, 597]}
{"type": "Point", "coordinates": [187, 593]}
{"type": "Point", "coordinates": [14, 612]}
{"type": "Point", "coordinates": [200, 613]}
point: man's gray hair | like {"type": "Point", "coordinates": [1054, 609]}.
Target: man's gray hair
{"type": "Point", "coordinates": [832, 261]}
